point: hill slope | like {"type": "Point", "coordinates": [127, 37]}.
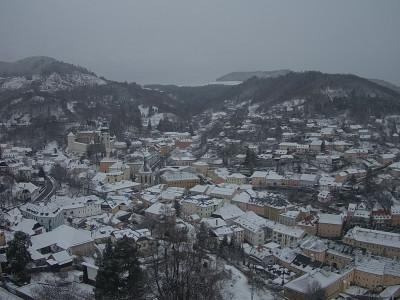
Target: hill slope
{"type": "Point", "coordinates": [39, 96]}
{"type": "Point", "coordinates": [243, 76]}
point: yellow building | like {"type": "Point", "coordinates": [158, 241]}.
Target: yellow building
{"type": "Point", "coordinates": [330, 226]}
{"type": "Point", "coordinates": [272, 212]}
{"type": "Point", "coordinates": [331, 283]}
{"type": "Point", "coordinates": [201, 167]}
{"type": "Point", "coordinates": [2, 238]}
{"type": "Point", "coordinates": [180, 179]}
{"type": "Point", "coordinates": [372, 273]}
{"type": "Point", "coordinates": [374, 241]}
{"type": "Point", "coordinates": [114, 177]}
{"type": "Point", "coordinates": [237, 178]}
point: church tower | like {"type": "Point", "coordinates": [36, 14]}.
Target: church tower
{"type": "Point", "coordinates": [146, 174]}
{"type": "Point", "coordinates": [71, 140]}
{"type": "Point", "coordinates": [105, 137]}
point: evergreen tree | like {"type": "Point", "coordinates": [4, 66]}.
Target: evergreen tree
{"type": "Point", "coordinates": [223, 246]}
{"type": "Point", "coordinates": [352, 180]}
{"type": "Point", "coordinates": [202, 235]}
{"type": "Point", "coordinates": [250, 159]}
{"type": "Point", "coordinates": [151, 111]}
{"type": "Point", "coordinates": [323, 146]}
{"type": "Point", "coordinates": [18, 255]}
{"type": "Point", "coordinates": [107, 278]}
{"type": "Point", "coordinates": [149, 125]}
{"type": "Point", "coordinates": [177, 207]}
{"type": "Point", "coordinates": [41, 172]}
{"type": "Point", "coordinates": [126, 254]}
{"type": "Point", "coordinates": [191, 131]}
{"type": "Point", "coordinates": [119, 275]}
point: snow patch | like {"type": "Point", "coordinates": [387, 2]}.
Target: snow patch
{"type": "Point", "coordinates": [55, 82]}
{"type": "Point", "coordinates": [238, 287]}
{"type": "Point", "coordinates": [335, 93]}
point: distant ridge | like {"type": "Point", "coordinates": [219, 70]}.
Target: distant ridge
{"type": "Point", "coordinates": [243, 76]}
{"type": "Point", "coordinates": [39, 65]}
{"type": "Point", "coordinates": [386, 84]}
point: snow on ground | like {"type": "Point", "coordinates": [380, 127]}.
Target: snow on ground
{"type": "Point", "coordinates": [143, 110]}
{"type": "Point", "coordinates": [232, 82]}
{"type": "Point", "coordinates": [50, 146]}
{"type": "Point", "coordinates": [70, 106]}
{"type": "Point", "coordinates": [239, 288]}
{"type": "Point", "coordinates": [40, 279]}
{"type": "Point", "coordinates": [14, 83]}
{"type": "Point", "coordinates": [334, 93]}
{"type": "Point", "coordinates": [155, 119]}
{"type": "Point", "coordinates": [253, 108]}
{"type": "Point", "coordinates": [292, 103]}
{"type": "Point", "coordinates": [56, 82]}
{"type": "Point", "coordinates": [5, 295]}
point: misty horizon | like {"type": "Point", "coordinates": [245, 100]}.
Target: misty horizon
{"type": "Point", "coordinates": [195, 43]}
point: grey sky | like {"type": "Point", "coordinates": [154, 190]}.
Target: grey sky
{"type": "Point", "coordinates": [188, 42]}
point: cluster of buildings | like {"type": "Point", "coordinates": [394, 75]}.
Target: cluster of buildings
{"type": "Point", "coordinates": [167, 180]}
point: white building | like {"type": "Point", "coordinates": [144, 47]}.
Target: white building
{"type": "Point", "coordinates": [80, 207]}
{"type": "Point", "coordinates": [286, 236]}
{"type": "Point", "coordinates": [50, 216]}
{"type": "Point", "coordinates": [203, 206]}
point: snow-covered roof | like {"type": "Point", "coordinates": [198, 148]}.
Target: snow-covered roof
{"type": "Point", "coordinates": [26, 226]}
{"type": "Point", "coordinates": [200, 189]}
{"type": "Point", "coordinates": [302, 283]}
{"type": "Point", "coordinates": [374, 237]}
{"type": "Point", "coordinates": [214, 222]}
{"type": "Point", "coordinates": [291, 231]}
{"type": "Point", "coordinates": [173, 176]}
{"type": "Point", "coordinates": [242, 198]}
{"type": "Point", "coordinates": [228, 211]}
{"type": "Point", "coordinates": [160, 209]}
{"type": "Point", "coordinates": [331, 219]}
{"type": "Point", "coordinates": [63, 236]}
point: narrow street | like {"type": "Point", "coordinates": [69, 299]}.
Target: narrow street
{"type": "Point", "coordinates": [48, 192]}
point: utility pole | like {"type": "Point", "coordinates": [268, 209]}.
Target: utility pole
{"type": "Point", "coordinates": [252, 284]}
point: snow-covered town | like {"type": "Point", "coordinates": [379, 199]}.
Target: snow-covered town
{"type": "Point", "coordinates": [199, 150]}
{"type": "Point", "coordinates": [312, 208]}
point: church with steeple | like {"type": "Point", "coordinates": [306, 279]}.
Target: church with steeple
{"type": "Point", "coordinates": [146, 175]}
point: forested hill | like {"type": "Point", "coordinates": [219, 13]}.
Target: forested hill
{"type": "Point", "coordinates": [41, 95]}
{"type": "Point", "coordinates": [243, 76]}
{"type": "Point", "coordinates": [39, 65]}
{"type": "Point", "coordinates": [323, 93]}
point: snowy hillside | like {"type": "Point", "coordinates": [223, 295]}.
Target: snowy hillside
{"type": "Point", "coordinates": [52, 83]}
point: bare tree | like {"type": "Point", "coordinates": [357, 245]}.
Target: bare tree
{"type": "Point", "coordinates": [177, 271]}
{"type": "Point", "coordinates": [59, 173]}
{"type": "Point", "coordinates": [315, 291]}
{"type": "Point", "coordinates": [6, 193]}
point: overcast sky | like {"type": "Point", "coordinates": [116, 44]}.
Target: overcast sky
{"type": "Point", "coordinates": [190, 42]}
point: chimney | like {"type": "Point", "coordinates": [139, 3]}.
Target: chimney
{"type": "Point", "coordinates": [312, 257]}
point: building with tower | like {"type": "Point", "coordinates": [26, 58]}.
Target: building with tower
{"type": "Point", "coordinates": [100, 137]}
{"type": "Point", "coordinates": [146, 175]}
